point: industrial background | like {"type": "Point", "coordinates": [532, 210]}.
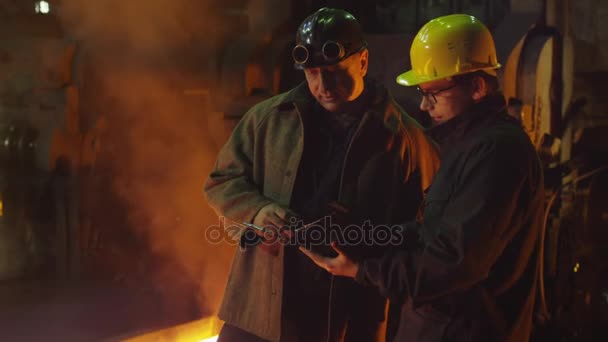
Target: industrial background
{"type": "Point", "coordinates": [112, 113]}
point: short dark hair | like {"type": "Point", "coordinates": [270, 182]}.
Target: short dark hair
{"type": "Point", "coordinates": [491, 81]}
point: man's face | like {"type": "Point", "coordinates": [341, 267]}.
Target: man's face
{"type": "Point", "coordinates": [336, 85]}
{"type": "Point", "coordinates": [445, 99]}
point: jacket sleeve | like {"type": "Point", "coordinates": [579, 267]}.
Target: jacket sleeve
{"type": "Point", "coordinates": [230, 188]}
{"type": "Point", "coordinates": [460, 242]}
{"type": "Point", "coordinates": [390, 272]}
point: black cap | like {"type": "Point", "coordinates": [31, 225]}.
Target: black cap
{"type": "Point", "coordinates": [332, 30]}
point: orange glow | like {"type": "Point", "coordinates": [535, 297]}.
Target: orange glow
{"type": "Point", "coordinates": [203, 330]}
{"type": "Point", "coordinates": [210, 339]}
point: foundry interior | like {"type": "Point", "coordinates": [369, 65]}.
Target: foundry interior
{"type": "Point", "coordinates": [112, 113]}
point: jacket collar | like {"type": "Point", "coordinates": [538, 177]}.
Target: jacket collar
{"type": "Point", "coordinates": [458, 127]}
{"type": "Point", "coordinates": [381, 107]}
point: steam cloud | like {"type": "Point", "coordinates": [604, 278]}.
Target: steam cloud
{"type": "Point", "coordinates": [144, 59]}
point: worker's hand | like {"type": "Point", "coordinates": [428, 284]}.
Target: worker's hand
{"type": "Point", "coordinates": [275, 219]}
{"type": "Point", "coordinates": [338, 266]}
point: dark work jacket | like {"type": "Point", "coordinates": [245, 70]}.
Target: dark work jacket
{"type": "Point", "coordinates": [472, 274]}
{"type": "Point", "coordinates": [306, 295]}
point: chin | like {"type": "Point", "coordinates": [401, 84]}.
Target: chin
{"type": "Point", "coordinates": [438, 122]}
{"type": "Point", "coordinates": [330, 107]}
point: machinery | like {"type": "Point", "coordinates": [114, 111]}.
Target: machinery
{"type": "Point", "coordinates": [540, 76]}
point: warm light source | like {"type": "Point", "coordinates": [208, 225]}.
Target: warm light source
{"type": "Point", "coordinates": [210, 339]}
{"type": "Point", "coordinates": [42, 7]}
{"type": "Point", "coordinates": [203, 330]}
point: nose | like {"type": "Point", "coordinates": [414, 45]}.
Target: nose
{"type": "Point", "coordinates": [327, 80]}
{"type": "Point", "coordinates": [425, 104]}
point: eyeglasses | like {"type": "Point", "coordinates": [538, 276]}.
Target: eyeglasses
{"type": "Point", "coordinates": [331, 52]}
{"type": "Point", "coordinates": [428, 95]}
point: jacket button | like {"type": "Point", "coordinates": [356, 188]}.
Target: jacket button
{"type": "Point", "coordinates": [288, 173]}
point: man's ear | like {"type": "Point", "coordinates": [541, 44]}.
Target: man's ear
{"type": "Point", "coordinates": [479, 87]}
{"type": "Point", "coordinates": [364, 58]}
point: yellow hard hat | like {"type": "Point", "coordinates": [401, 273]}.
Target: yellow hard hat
{"type": "Point", "coordinates": [450, 45]}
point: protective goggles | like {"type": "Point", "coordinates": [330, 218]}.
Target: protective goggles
{"type": "Point", "coordinates": [331, 52]}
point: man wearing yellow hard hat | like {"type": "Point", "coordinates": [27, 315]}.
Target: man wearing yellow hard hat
{"type": "Point", "coordinates": [468, 271]}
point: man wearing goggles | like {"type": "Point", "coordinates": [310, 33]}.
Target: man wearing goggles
{"type": "Point", "coordinates": [336, 138]}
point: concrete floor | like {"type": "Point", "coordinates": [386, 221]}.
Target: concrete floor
{"type": "Point", "coordinates": [42, 310]}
